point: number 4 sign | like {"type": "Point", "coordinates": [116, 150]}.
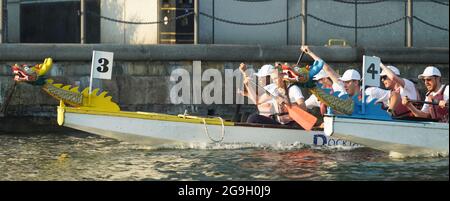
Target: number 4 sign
{"type": "Point", "coordinates": [371, 75]}
{"type": "Point", "coordinates": [102, 63]}
{"type": "Point", "coordinates": [371, 71]}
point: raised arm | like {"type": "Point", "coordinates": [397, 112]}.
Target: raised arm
{"type": "Point", "coordinates": [248, 91]}
{"type": "Point", "coordinates": [330, 72]}
{"type": "Point", "coordinates": [301, 102]}
{"type": "Point", "coordinates": [392, 76]}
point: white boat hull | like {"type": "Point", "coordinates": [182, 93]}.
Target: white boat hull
{"type": "Point", "coordinates": [162, 133]}
{"type": "Point", "coordinates": [399, 138]}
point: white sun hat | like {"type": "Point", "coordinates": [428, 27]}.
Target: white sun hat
{"type": "Point", "coordinates": [350, 74]}
{"type": "Point", "coordinates": [265, 70]}
{"type": "Point", "coordinates": [430, 71]}
{"type": "Point", "coordinates": [393, 69]}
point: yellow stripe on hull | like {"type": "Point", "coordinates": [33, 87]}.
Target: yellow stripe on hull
{"type": "Point", "coordinates": [150, 116]}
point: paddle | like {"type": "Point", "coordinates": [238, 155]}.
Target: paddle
{"type": "Point", "coordinates": [303, 118]}
{"type": "Point", "coordinates": [426, 102]}
{"type": "Point", "coordinates": [300, 58]}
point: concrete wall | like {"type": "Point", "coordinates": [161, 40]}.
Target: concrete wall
{"type": "Point", "coordinates": [133, 11]}
{"type": "Point", "coordinates": [141, 79]}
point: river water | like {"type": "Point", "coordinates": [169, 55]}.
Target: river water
{"type": "Point", "coordinates": [81, 156]}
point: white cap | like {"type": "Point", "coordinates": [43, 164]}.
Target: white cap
{"type": "Point", "coordinates": [430, 71]}
{"type": "Point", "coordinates": [320, 75]}
{"type": "Point", "coordinates": [393, 69]}
{"type": "Point", "coordinates": [265, 70]}
{"type": "Point", "coordinates": [350, 74]}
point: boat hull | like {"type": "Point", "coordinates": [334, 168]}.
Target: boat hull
{"type": "Point", "coordinates": [157, 132]}
{"type": "Point", "coordinates": [398, 138]}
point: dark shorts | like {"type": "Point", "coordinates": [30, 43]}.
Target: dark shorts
{"type": "Point", "coordinates": [259, 119]}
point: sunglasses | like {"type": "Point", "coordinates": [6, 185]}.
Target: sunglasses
{"type": "Point", "coordinates": [427, 79]}
{"type": "Point", "coordinates": [384, 77]}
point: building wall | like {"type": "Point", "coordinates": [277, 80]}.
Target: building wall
{"type": "Point", "coordinates": [318, 30]}
{"type": "Point", "coordinates": [13, 7]}
{"type": "Point", "coordinates": [244, 12]}
{"type": "Point", "coordinates": [426, 36]}
{"type": "Point", "coordinates": [133, 11]}
{"type": "Point", "coordinates": [214, 31]}
{"type": "Point", "coordinates": [392, 35]}
{"type": "Point", "coordinates": [319, 33]}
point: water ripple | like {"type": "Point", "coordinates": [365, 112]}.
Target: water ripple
{"type": "Point", "coordinates": [78, 156]}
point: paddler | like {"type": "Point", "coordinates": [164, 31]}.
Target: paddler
{"type": "Point", "coordinates": [349, 83]}
{"type": "Point", "coordinates": [399, 87]}
{"type": "Point", "coordinates": [436, 102]}
{"type": "Point", "coordinates": [270, 104]}
{"type": "Point", "coordinates": [262, 102]}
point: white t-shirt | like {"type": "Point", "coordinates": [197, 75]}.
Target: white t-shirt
{"type": "Point", "coordinates": [272, 89]}
{"type": "Point", "coordinates": [408, 90]}
{"type": "Point", "coordinates": [295, 93]}
{"type": "Point", "coordinates": [312, 102]}
{"type": "Point", "coordinates": [426, 107]}
{"type": "Point", "coordinates": [382, 95]}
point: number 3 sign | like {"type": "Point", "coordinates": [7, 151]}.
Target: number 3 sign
{"type": "Point", "coordinates": [371, 71]}
{"type": "Point", "coordinates": [102, 63]}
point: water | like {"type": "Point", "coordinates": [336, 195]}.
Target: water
{"type": "Point", "coordinates": [80, 156]}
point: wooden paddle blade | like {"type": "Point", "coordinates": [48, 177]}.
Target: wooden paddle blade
{"type": "Point", "coordinates": [303, 118]}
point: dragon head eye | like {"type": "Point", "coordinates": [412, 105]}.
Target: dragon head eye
{"type": "Point", "coordinates": [25, 67]}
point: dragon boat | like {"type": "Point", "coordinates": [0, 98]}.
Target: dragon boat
{"type": "Point", "coordinates": [96, 113]}
{"type": "Point", "coordinates": [347, 125]}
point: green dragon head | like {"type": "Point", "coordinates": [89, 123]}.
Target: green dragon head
{"type": "Point", "coordinates": [25, 73]}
